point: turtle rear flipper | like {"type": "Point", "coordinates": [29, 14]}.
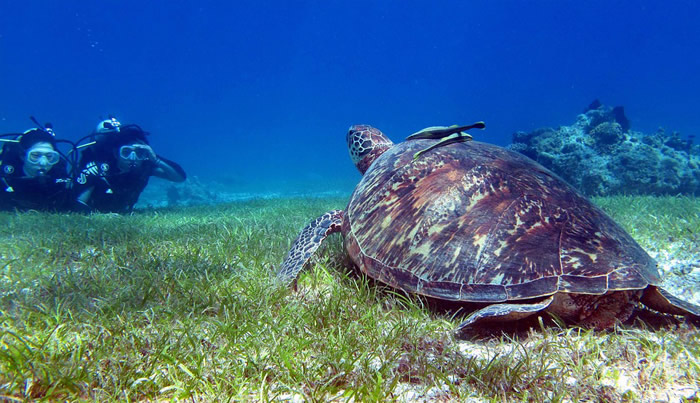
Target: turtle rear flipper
{"type": "Point", "coordinates": [663, 301]}
{"type": "Point", "coordinates": [307, 243]}
{"type": "Point", "coordinates": [505, 312]}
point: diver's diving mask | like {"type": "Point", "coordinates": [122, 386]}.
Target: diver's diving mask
{"type": "Point", "coordinates": [43, 157]}
{"type": "Point", "coordinates": [133, 153]}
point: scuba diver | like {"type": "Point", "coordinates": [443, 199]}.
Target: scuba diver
{"type": "Point", "coordinates": [115, 168]}
{"type": "Point", "coordinates": [33, 171]}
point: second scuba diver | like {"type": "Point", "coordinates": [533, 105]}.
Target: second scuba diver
{"type": "Point", "coordinates": [116, 168]}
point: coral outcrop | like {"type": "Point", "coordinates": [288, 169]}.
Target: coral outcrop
{"type": "Point", "coordinates": [600, 155]}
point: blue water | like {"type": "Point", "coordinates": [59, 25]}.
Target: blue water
{"type": "Point", "coordinates": [262, 92]}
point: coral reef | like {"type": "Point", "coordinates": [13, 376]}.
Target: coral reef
{"type": "Point", "coordinates": [600, 155]}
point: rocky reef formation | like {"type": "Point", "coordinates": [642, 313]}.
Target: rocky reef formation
{"type": "Point", "coordinates": [600, 155]}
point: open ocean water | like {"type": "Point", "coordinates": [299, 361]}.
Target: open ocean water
{"type": "Point", "coordinates": [258, 95]}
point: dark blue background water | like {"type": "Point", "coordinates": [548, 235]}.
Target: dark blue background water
{"type": "Point", "coordinates": [263, 92]}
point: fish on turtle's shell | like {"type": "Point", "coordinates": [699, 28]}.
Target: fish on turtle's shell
{"type": "Point", "coordinates": [473, 222]}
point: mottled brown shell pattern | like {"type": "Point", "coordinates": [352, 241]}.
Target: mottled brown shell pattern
{"type": "Point", "coordinates": [476, 222]}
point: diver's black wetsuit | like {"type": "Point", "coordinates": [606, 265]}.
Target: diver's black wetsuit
{"type": "Point", "coordinates": [50, 192]}
{"type": "Point", "coordinates": [114, 190]}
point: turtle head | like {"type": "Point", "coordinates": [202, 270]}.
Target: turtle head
{"type": "Point", "coordinates": [365, 144]}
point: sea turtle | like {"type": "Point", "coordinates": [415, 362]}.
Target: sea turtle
{"type": "Point", "coordinates": [471, 222]}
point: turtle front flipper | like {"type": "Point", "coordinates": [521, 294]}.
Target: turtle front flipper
{"type": "Point", "coordinates": [307, 243]}
{"type": "Point", "coordinates": [447, 134]}
{"type": "Point", "coordinates": [505, 312]}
